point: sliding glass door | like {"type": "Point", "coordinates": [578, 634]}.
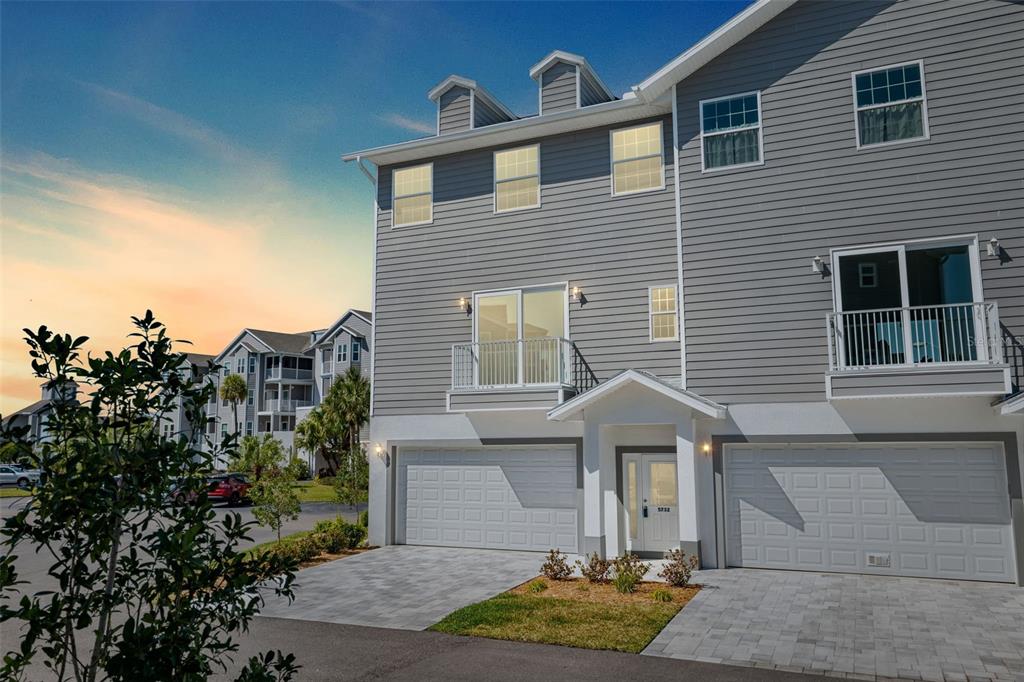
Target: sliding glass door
{"type": "Point", "coordinates": [519, 336]}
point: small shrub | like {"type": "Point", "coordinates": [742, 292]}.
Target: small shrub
{"type": "Point", "coordinates": [307, 547]}
{"type": "Point", "coordinates": [583, 587]}
{"type": "Point", "coordinates": [556, 566]}
{"type": "Point", "coordinates": [364, 518]}
{"type": "Point", "coordinates": [679, 568]}
{"type": "Point", "coordinates": [537, 586]}
{"type": "Point", "coordinates": [629, 570]}
{"type": "Point", "coordinates": [354, 534]}
{"type": "Point", "coordinates": [661, 595]}
{"type": "Point", "coordinates": [594, 569]}
{"type": "Point", "coordinates": [340, 534]}
{"type": "Point", "coordinates": [333, 540]}
{"type": "Point", "coordinates": [297, 468]}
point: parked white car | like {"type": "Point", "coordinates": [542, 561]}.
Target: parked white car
{"type": "Point", "coordinates": [13, 474]}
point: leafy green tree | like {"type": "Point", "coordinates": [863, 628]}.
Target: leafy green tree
{"type": "Point", "coordinates": [275, 499]}
{"type": "Point", "coordinates": [258, 454]}
{"type": "Point", "coordinates": [331, 429]}
{"type": "Point", "coordinates": [318, 433]}
{"type": "Point", "coordinates": [297, 468]}
{"type": "Point", "coordinates": [145, 590]}
{"type": "Point", "coordinates": [350, 397]}
{"type": "Point", "coordinates": [352, 482]}
{"type": "Point", "coordinates": [234, 389]}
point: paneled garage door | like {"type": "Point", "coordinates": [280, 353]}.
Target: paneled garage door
{"type": "Point", "coordinates": [500, 498]}
{"type": "Point", "coordinates": [914, 509]}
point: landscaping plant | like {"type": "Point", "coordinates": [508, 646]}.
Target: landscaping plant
{"type": "Point", "coordinates": [257, 454]}
{"type": "Point", "coordinates": [364, 518]}
{"type": "Point", "coordinates": [234, 389]}
{"type": "Point", "coordinates": [275, 499]}
{"type": "Point", "coordinates": [331, 429]}
{"type": "Point", "coordinates": [594, 569]}
{"type": "Point", "coordinates": [679, 567]}
{"type": "Point", "coordinates": [537, 586]}
{"type": "Point", "coordinates": [661, 595]}
{"type": "Point", "coordinates": [556, 566]}
{"type": "Point", "coordinates": [628, 571]}
{"type": "Point", "coordinates": [338, 534]}
{"type": "Point", "coordinates": [143, 589]}
{"type": "Point", "coordinates": [352, 482]}
{"type": "Point", "coordinates": [297, 468]}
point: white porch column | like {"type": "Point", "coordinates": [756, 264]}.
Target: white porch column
{"type": "Point", "coordinates": [689, 490]}
{"type": "Point", "coordinates": [593, 532]}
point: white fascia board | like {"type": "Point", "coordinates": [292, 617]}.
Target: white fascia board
{"type": "Point", "coordinates": [449, 83]}
{"type": "Point", "coordinates": [605, 113]}
{"type": "Point", "coordinates": [569, 58]}
{"type": "Point", "coordinates": [693, 401]}
{"type": "Point", "coordinates": [1013, 406]}
{"type": "Point", "coordinates": [714, 44]}
{"type": "Point", "coordinates": [237, 341]}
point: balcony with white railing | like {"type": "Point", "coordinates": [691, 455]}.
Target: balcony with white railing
{"type": "Point", "coordinates": [538, 370]}
{"type": "Point", "coordinates": [276, 405]}
{"type": "Point", "coordinates": [920, 350]}
{"type": "Point", "coordinates": [280, 373]}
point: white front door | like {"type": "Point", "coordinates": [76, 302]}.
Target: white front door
{"type": "Point", "coordinates": [651, 497]}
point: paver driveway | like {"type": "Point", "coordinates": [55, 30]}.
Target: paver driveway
{"type": "Point", "coordinates": [854, 626]}
{"type": "Point", "coordinates": [401, 586]}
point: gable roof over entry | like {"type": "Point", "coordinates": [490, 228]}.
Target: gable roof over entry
{"type": "Point", "coordinates": [572, 409]}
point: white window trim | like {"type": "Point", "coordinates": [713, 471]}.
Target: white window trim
{"type": "Point", "coordinates": [612, 161]}
{"type": "Point", "coordinates": [494, 178]}
{"type": "Point", "coordinates": [252, 364]}
{"type": "Point", "coordinates": [923, 99]}
{"type": "Point", "coordinates": [251, 397]}
{"type": "Point", "coordinates": [430, 220]}
{"type": "Point", "coordinates": [356, 352]}
{"type": "Point", "coordinates": [342, 353]}
{"type": "Point", "coordinates": [759, 126]}
{"type": "Point", "coordinates": [651, 313]}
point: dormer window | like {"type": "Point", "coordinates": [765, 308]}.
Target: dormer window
{"type": "Point", "coordinates": [413, 202]}
{"type": "Point", "coordinates": [517, 178]}
{"type": "Point", "coordinates": [637, 163]}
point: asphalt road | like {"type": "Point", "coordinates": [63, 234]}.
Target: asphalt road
{"type": "Point", "coordinates": [327, 651]}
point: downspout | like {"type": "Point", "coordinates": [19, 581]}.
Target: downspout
{"type": "Point", "coordinates": [679, 237]}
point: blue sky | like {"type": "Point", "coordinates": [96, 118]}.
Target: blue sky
{"type": "Point", "coordinates": [186, 157]}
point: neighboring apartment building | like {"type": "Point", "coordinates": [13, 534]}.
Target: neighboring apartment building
{"type": "Point", "coordinates": [36, 415]}
{"type": "Point", "coordinates": [176, 423]}
{"type": "Point", "coordinates": [766, 307]}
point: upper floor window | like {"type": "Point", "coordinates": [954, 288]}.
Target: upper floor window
{"type": "Point", "coordinates": [517, 178]}
{"type": "Point", "coordinates": [251, 400]}
{"type": "Point", "coordinates": [413, 202]}
{"type": "Point", "coordinates": [240, 366]}
{"type": "Point", "coordinates": [225, 370]}
{"type": "Point", "coordinates": [342, 352]}
{"type": "Point", "coordinates": [252, 364]}
{"type": "Point", "coordinates": [890, 105]}
{"type": "Point", "coordinates": [664, 323]}
{"type": "Point", "coordinates": [637, 163]}
{"type": "Point", "coordinates": [730, 131]}
{"type": "Point", "coordinates": [355, 350]}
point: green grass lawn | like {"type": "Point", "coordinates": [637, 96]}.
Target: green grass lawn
{"type": "Point", "coordinates": [569, 622]}
{"type": "Point", "coordinates": [310, 491]}
{"type": "Point", "coordinates": [14, 492]}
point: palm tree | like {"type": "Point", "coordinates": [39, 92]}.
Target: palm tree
{"type": "Point", "coordinates": [353, 404]}
{"type": "Point", "coordinates": [234, 390]}
{"type": "Point", "coordinates": [312, 434]}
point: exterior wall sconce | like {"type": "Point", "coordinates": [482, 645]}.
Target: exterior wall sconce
{"type": "Point", "coordinates": [706, 448]}
{"type": "Point", "coordinates": [576, 294]}
{"type": "Point", "coordinates": [819, 267]}
{"type": "Point", "coordinates": [382, 455]}
{"type": "Point", "coordinates": [993, 247]}
{"type": "Point", "coordinates": [465, 306]}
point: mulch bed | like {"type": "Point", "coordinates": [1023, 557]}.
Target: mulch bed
{"type": "Point", "coordinates": [326, 557]}
{"type": "Point", "coordinates": [579, 589]}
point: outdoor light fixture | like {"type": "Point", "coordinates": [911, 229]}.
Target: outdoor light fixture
{"type": "Point", "coordinates": [993, 247]}
{"type": "Point", "coordinates": [576, 294]}
{"type": "Point", "coordinates": [706, 448]}
{"type": "Point", "coordinates": [378, 450]}
{"type": "Point", "coordinates": [816, 265]}
{"type": "Point", "coordinates": [464, 306]}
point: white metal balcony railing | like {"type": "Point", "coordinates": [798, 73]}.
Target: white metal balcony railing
{"type": "Point", "coordinates": [277, 405]}
{"type": "Point", "coordinates": [952, 334]}
{"type": "Point", "coordinates": [513, 363]}
{"type": "Point", "coordinates": [275, 373]}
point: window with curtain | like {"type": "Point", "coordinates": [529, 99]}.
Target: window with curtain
{"type": "Point", "coordinates": [517, 178]}
{"type": "Point", "coordinates": [890, 105]}
{"type": "Point", "coordinates": [637, 159]}
{"type": "Point", "coordinates": [663, 312]}
{"type": "Point", "coordinates": [730, 131]}
{"type": "Point", "coordinates": [413, 195]}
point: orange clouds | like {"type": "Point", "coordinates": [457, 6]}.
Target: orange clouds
{"type": "Point", "coordinates": [82, 251]}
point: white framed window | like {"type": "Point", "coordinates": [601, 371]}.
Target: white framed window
{"type": "Point", "coordinates": [730, 131]}
{"type": "Point", "coordinates": [223, 429]}
{"type": "Point", "coordinates": [868, 275]}
{"type": "Point", "coordinates": [664, 313]}
{"type": "Point", "coordinates": [248, 428]}
{"type": "Point", "coordinates": [638, 163]}
{"type": "Point", "coordinates": [251, 400]}
{"type": "Point", "coordinates": [252, 364]}
{"type": "Point", "coordinates": [355, 350]}
{"type": "Point", "coordinates": [517, 178]}
{"type": "Point", "coordinates": [240, 366]}
{"type": "Point", "coordinates": [890, 105]}
{"type": "Point", "coordinates": [412, 198]}
{"type": "Point", "coordinates": [342, 352]}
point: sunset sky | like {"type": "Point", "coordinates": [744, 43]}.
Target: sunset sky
{"type": "Point", "coordinates": [186, 157]}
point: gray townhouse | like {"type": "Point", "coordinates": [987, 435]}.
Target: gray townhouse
{"type": "Point", "coordinates": [766, 306]}
{"type": "Point", "coordinates": [36, 416]}
{"type": "Point", "coordinates": [176, 423]}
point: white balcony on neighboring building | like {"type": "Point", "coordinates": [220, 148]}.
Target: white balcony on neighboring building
{"type": "Point", "coordinates": [281, 373]}
{"type": "Point", "coordinates": [276, 405]}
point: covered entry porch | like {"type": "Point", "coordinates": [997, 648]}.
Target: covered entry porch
{"type": "Point", "coordinates": [647, 485]}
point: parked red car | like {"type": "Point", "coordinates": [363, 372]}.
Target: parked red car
{"type": "Point", "coordinates": [230, 488]}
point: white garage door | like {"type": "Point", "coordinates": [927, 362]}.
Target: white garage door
{"type": "Point", "coordinates": [499, 498]}
{"type": "Point", "coordinates": [914, 509]}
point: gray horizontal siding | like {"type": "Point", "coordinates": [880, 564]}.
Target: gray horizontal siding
{"type": "Point", "coordinates": [989, 380]}
{"type": "Point", "coordinates": [755, 314]}
{"type": "Point", "coordinates": [590, 92]}
{"type": "Point", "coordinates": [503, 400]}
{"type": "Point", "coordinates": [453, 111]}
{"type": "Point", "coordinates": [613, 248]}
{"type": "Point", "coordinates": [558, 88]}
